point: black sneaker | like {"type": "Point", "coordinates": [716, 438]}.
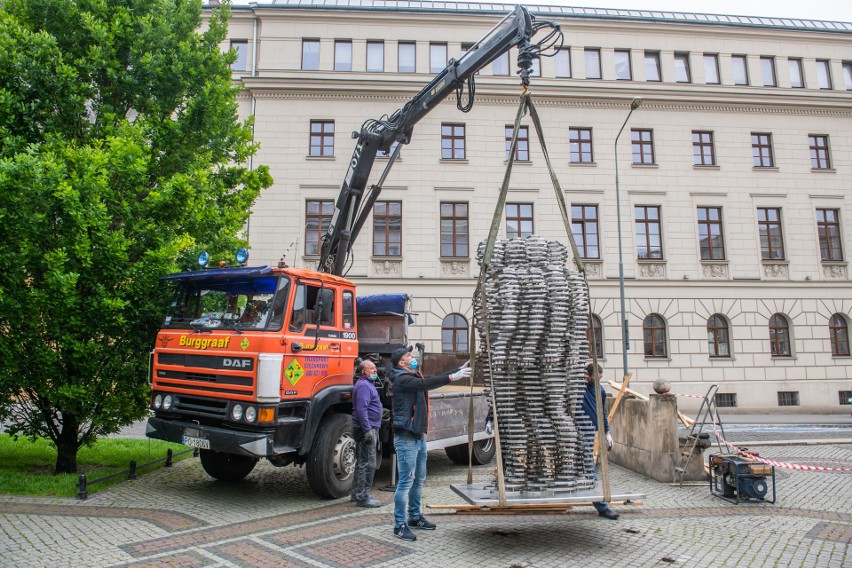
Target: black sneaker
{"type": "Point", "coordinates": [608, 514]}
{"type": "Point", "coordinates": [403, 532]}
{"type": "Point", "coordinates": [423, 524]}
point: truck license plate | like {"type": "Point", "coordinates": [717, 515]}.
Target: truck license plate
{"type": "Point", "coordinates": [202, 443]}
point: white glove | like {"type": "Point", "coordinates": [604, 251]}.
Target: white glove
{"type": "Point", "coordinates": [608, 441]}
{"type": "Point", "coordinates": [462, 373]}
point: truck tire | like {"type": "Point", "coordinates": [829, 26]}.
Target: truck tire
{"type": "Point", "coordinates": [483, 452]}
{"type": "Point", "coordinates": [226, 467]}
{"type": "Point", "coordinates": [331, 463]}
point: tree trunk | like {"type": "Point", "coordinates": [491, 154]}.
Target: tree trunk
{"type": "Point", "coordinates": [67, 445]}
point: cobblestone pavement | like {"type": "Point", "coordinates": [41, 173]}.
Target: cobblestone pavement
{"type": "Point", "coordinates": [181, 517]}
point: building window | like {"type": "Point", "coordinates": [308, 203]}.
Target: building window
{"type": "Point", "coordinates": [726, 399]}
{"type": "Point", "coordinates": [584, 226]}
{"type": "Point", "coordinates": [562, 61]}
{"type": "Point", "coordinates": [500, 66]}
{"type": "Point", "coordinates": [654, 330]}
{"type": "Point", "coordinates": [845, 397]}
{"type": "Point", "coordinates": [597, 340]}
{"type": "Point", "coordinates": [522, 150]}
{"type": "Point", "coordinates": [711, 69]}
{"type": "Point", "coordinates": [710, 236]}
{"type": "Point", "coordinates": [718, 341]}
{"type": "Point", "coordinates": [452, 142]}
{"type": "Point", "coordinates": [818, 145]}
{"type": "Point", "coordinates": [322, 138]}
{"type": "Point", "coordinates": [437, 57]}
{"type": "Point", "coordinates": [797, 80]}
{"type": "Point", "coordinates": [788, 398]}
{"type": "Point", "coordinates": [310, 54]}
{"type": "Point", "coordinates": [767, 71]}
{"type": "Point", "coordinates": [387, 228]}
{"type": "Point", "coordinates": [580, 140]}
{"type": "Point", "coordinates": [454, 230]}
{"type": "Point", "coordinates": [389, 152]}
{"type": "Point", "coordinates": [643, 146]}
{"type": "Point", "coordinates": [519, 220]}
{"type": "Point", "coordinates": [740, 67]}
{"type": "Point", "coordinates": [838, 330]}
{"type": "Point", "coordinates": [682, 74]}
{"type": "Point", "coordinates": [828, 228]}
{"type": "Point", "coordinates": [623, 69]}
{"type": "Point", "coordinates": [823, 74]}
{"type": "Point", "coordinates": [761, 149]}
{"type": "Point", "coordinates": [771, 235]}
{"type": "Point", "coordinates": [847, 74]}
{"type": "Point", "coordinates": [593, 63]}
{"type": "Point", "coordinates": [375, 56]}
{"type": "Point", "coordinates": [779, 336]}
{"type": "Point", "coordinates": [652, 66]}
{"type": "Point", "coordinates": [703, 152]}
{"type": "Point", "coordinates": [535, 70]}
{"type": "Point", "coordinates": [240, 46]}
{"type": "Point", "coordinates": [343, 55]}
{"type": "Point", "coordinates": [317, 220]}
{"type": "Point", "coordinates": [454, 334]}
{"type": "Point", "coordinates": [648, 240]}
{"type": "Point", "coordinates": [407, 57]}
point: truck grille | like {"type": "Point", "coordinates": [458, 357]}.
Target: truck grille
{"type": "Point", "coordinates": [205, 406]}
{"type": "Point", "coordinates": [205, 374]}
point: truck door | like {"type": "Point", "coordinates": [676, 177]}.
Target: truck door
{"type": "Point", "coordinates": [312, 356]}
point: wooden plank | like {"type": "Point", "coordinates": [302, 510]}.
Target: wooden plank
{"type": "Point", "coordinates": [520, 509]}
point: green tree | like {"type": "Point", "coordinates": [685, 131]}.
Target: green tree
{"type": "Point", "coordinates": [121, 156]}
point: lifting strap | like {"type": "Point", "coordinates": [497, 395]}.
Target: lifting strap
{"type": "Point", "coordinates": [527, 104]}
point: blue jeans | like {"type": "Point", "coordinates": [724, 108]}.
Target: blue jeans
{"type": "Point", "coordinates": [598, 505]}
{"type": "Point", "coordinates": [411, 467]}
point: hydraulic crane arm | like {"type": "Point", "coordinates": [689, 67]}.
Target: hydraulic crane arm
{"type": "Point", "coordinates": [353, 204]}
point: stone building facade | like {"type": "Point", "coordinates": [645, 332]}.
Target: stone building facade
{"type": "Point", "coordinates": [735, 176]}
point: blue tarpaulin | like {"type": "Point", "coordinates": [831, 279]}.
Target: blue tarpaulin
{"type": "Point", "coordinates": [384, 304]}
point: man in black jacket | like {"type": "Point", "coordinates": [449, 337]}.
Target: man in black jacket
{"type": "Point", "coordinates": [410, 425]}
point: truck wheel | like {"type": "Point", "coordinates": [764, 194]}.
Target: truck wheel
{"type": "Point", "coordinates": [331, 463]}
{"type": "Point", "coordinates": [226, 467]}
{"type": "Point", "coordinates": [483, 452]}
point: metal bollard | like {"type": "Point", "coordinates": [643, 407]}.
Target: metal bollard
{"type": "Point", "coordinates": [132, 473]}
{"type": "Point", "coordinates": [82, 491]}
{"type": "Point", "coordinates": [195, 452]}
{"type": "Point", "coordinates": [169, 456]}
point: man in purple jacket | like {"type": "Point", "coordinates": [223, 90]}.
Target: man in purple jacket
{"type": "Point", "coordinates": [366, 419]}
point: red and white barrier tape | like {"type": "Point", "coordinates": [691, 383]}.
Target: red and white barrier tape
{"type": "Point", "coordinates": [689, 395]}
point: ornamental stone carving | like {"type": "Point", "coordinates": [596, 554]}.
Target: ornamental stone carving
{"type": "Point", "coordinates": [834, 271]}
{"type": "Point", "coordinates": [593, 269]}
{"type": "Point", "coordinates": [775, 271]}
{"type": "Point", "coordinates": [387, 267]}
{"type": "Point", "coordinates": [652, 270]}
{"type": "Point", "coordinates": [716, 271]}
{"type": "Point", "coordinates": [454, 268]}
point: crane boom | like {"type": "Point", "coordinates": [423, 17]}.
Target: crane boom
{"type": "Point", "coordinates": [353, 203]}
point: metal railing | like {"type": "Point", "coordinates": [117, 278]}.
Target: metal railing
{"type": "Point", "coordinates": [83, 482]}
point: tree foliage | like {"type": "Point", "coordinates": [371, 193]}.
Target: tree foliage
{"type": "Point", "coordinates": [121, 156]}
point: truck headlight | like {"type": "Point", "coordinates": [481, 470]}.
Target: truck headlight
{"type": "Point", "coordinates": [158, 401]}
{"type": "Point", "coordinates": [237, 412]}
{"type": "Point", "coordinates": [167, 402]}
{"type": "Point", "coordinates": [251, 414]}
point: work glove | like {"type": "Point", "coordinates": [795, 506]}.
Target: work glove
{"type": "Point", "coordinates": [370, 437]}
{"type": "Point", "coordinates": [608, 441]}
{"type": "Point", "coordinates": [462, 373]}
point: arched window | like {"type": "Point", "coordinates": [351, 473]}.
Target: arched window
{"type": "Point", "coordinates": [718, 339]}
{"type": "Point", "coordinates": [838, 330]}
{"type": "Point", "coordinates": [779, 336]}
{"type": "Point", "coordinates": [654, 328]}
{"type": "Point", "coordinates": [598, 339]}
{"type": "Point", "coordinates": [454, 334]}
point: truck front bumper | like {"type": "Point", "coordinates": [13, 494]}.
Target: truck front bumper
{"type": "Point", "coordinates": [252, 444]}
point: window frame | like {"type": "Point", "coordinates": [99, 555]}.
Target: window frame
{"type": "Point", "coordinates": [584, 222]}
{"type": "Point", "coordinates": [557, 62]}
{"type": "Point", "coordinates": [838, 326]}
{"type": "Point", "coordinates": [825, 228]}
{"type": "Point", "coordinates": [594, 52]}
{"type": "Point", "coordinates": [820, 152]}
{"type": "Point", "coordinates": [596, 343]}
{"type": "Point", "coordinates": [703, 148]}
{"type": "Point", "coordinates": [385, 222]}
{"type": "Point", "coordinates": [320, 216]}
{"type": "Point", "coordinates": [436, 45]}
{"type": "Point", "coordinates": [643, 145]}
{"type": "Point", "coordinates": [644, 224]}
{"type": "Point", "coordinates": [455, 220]}
{"type": "Point", "coordinates": [508, 63]}
{"type": "Point", "coordinates": [584, 146]}
{"type": "Point", "coordinates": [651, 331]}
{"type": "Point", "coordinates": [456, 345]}
{"type": "Point", "coordinates": [709, 224]}
{"type": "Point", "coordinates": [624, 53]}
{"type": "Point", "coordinates": [718, 333]}
{"type": "Point", "coordinates": [739, 65]}
{"type": "Point", "coordinates": [522, 150]}
{"type": "Point", "coordinates": [339, 43]}
{"type": "Point", "coordinates": [769, 228]}
{"type": "Point", "coordinates": [323, 135]}
{"type": "Point", "coordinates": [240, 46]}
{"type": "Point", "coordinates": [453, 137]}
{"type": "Point", "coordinates": [767, 64]}
{"type": "Point", "coordinates": [794, 63]}
{"type": "Point", "coordinates": [305, 43]}
{"type": "Point", "coordinates": [780, 336]}
{"type": "Point", "coordinates": [713, 58]}
{"type": "Point", "coordinates": [823, 73]}
{"type": "Point", "coordinates": [516, 212]}
{"type": "Point", "coordinates": [373, 43]}
{"type": "Point", "coordinates": [846, 66]}
{"type": "Point", "coordinates": [761, 150]}
{"type": "Point", "coordinates": [653, 58]}
{"type": "Point", "coordinates": [399, 47]}
{"type": "Point", "coordinates": [683, 74]}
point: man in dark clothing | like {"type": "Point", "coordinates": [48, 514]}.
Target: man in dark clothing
{"type": "Point", "coordinates": [590, 407]}
{"type": "Point", "coordinates": [410, 425]}
{"type": "Point", "coordinates": [366, 420]}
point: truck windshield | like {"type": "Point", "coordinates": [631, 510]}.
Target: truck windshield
{"type": "Point", "coordinates": [252, 303]}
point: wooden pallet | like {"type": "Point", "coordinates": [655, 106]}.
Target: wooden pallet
{"type": "Point", "coordinates": [529, 509]}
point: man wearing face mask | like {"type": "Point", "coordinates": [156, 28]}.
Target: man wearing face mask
{"type": "Point", "coordinates": [366, 419]}
{"type": "Point", "coordinates": [410, 425]}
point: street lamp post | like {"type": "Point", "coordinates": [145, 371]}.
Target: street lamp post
{"type": "Point", "coordinates": [625, 332]}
